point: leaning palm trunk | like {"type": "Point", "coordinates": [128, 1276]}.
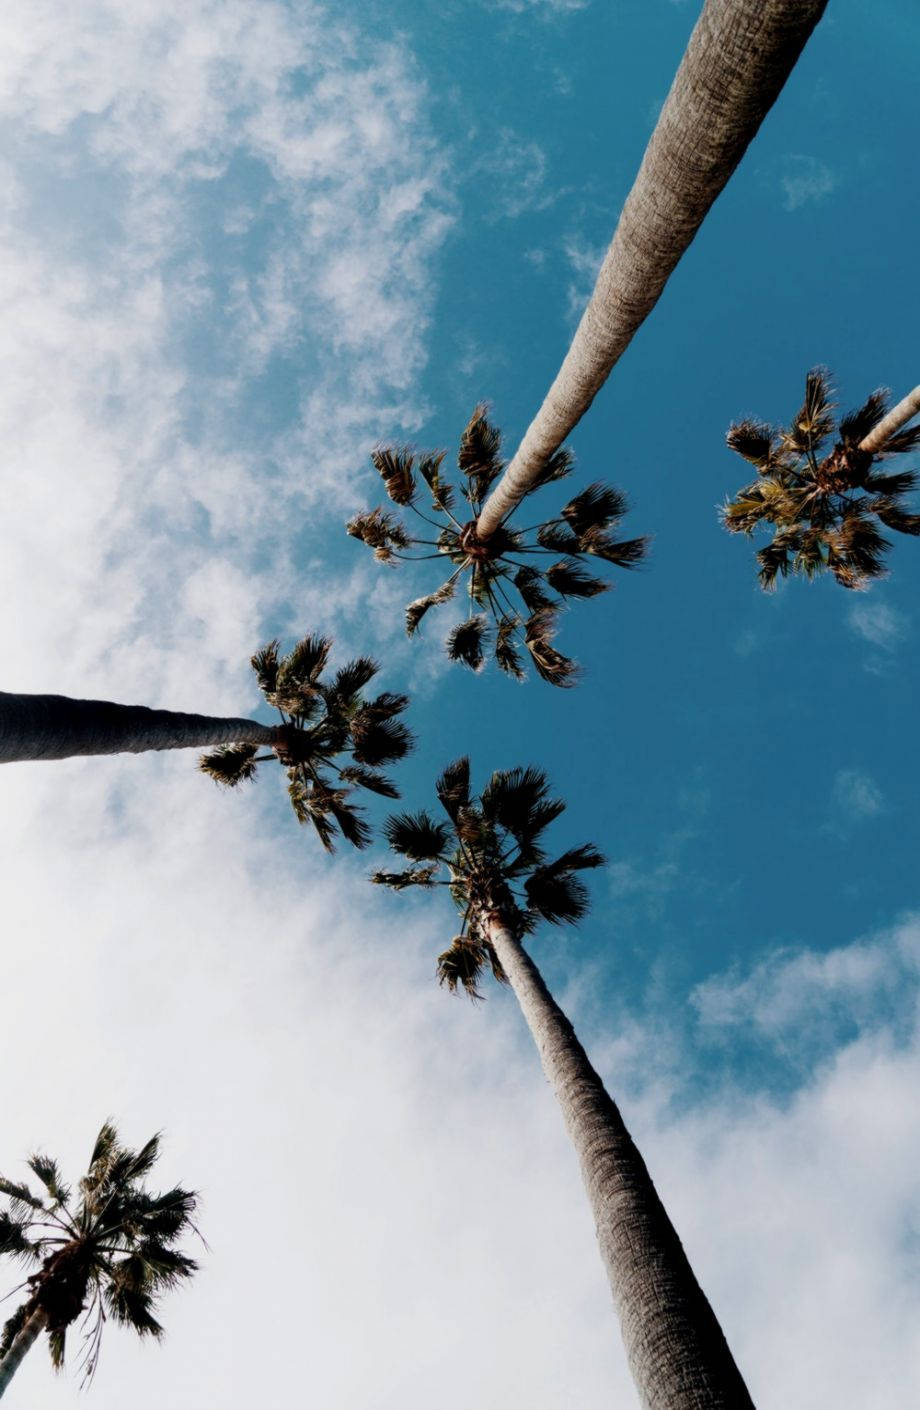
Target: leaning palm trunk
{"type": "Point", "coordinates": [895, 419]}
{"type": "Point", "coordinates": [31, 1330]}
{"type": "Point", "coordinates": [677, 1352]}
{"type": "Point", "coordinates": [56, 727]}
{"type": "Point", "coordinates": [739, 56]}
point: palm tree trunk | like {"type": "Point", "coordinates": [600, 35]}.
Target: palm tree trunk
{"type": "Point", "coordinates": [677, 1352]}
{"type": "Point", "coordinates": [739, 56]}
{"type": "Point", "coordinates": [875, 441]}
{"type": "Point", "coordinates": [56, 727]}
{"type": "Point", "coordinates": [32, 1328]}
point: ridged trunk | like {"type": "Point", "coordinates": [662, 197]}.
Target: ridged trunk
{"type": "Point", "coordinates": [739, 56]}
{"type": "Point", "coordinates": [56, 727]}
{"type": "Point", "coordinates": [31, 1329]}
{"type": "Point", "coordinates": [895, 419]}
{"type": "Point", "coordinates": [677, 1352]}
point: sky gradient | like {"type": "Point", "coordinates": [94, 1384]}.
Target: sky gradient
{"type": "Point", "coordinates": [242, 243]}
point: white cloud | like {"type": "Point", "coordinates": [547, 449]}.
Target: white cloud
{"type": "Point", "coordinates": [585, 261]}
{"type": "Point", "coordinates": [515, 176]}
{"type": "Point", "coordinates": [879, 624]}
{"type": "Point", "coordinates": [545, 7]}
{"type": "Point", "coordinates": [856, 795]}
{"type": "Point", "coordinates": [805, 179]}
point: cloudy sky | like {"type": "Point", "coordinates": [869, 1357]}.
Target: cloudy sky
{"type": "Point", "coordinates": [242, 243]}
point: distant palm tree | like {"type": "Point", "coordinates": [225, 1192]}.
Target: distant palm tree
{"type": "Point", "coordinates": [320, 722]}
{"type": "Point", "coordinates": [107, 1251]}
{"type": "Point", "coordinates": [513, 577]}
{"type": "Point", "coordinates": [739, 56]}
{"type": "Point", "coordinates": [57, 727]}
{"type": "Point", "coordinates": [824, 503]}
{"type": "Point", "coordinates": [490, 856]}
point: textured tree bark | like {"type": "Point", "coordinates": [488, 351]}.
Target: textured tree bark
{"type": "Point", "coordinates": [33, 1327]}
{"type": "Point", "coordinates": [677, 1352]}
{"type": "Point", "coordinates": [56, 727]}
{"type": "Point", "coordinates": [895, 419]}
{"type": "Point", "coordinates": [739, 56]}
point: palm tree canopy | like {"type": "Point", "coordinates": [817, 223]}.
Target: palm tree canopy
{"type": "Point", "coordinates": [738, 57]}
{"type": "Point", "coordinates": [493, 861]}
{"type": "Point", "coordinates": [323, 721]}
{"type": "Point", "coordinates": [106, 1249]}
{"type": "Point", "coordinates": [823, 500]}
{"type": "Point", "coordinates": [520, 579]}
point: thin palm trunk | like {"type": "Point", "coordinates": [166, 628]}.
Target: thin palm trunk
{"type": "Point", "coordinates": [677, 1352]}
{"type": "Point", "coordinates": [895, 419]}
{"type": "Point", "coordinates": [31, 1330]}
{"type": "Point", "coordinates": [56, 727]}
{"type": "Point", "coordinates": [739, 56]}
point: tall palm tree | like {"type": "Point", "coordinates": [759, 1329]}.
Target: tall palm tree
{"type": "Point", "coordinates": [739, 56]}
{"type": "Point", "coordinates": [108, 1250]}
{"type": "Point", "coordinates": [517, 577]}
{"type": "Point", "coordinates": [58, 727]}
{"type": "Point", "coordinates": [490, 855]}
{"type": "Point", "coordinates": [321, 721]}
{"type": "Point", "coordinates": [824, 502]}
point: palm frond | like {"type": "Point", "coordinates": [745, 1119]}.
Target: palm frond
{"type": "Point", "coordinates": [752, 439]}
{"type": "Point", "coordinates": [417, 609]}
{"type": "Point", "coordinates": [369, 778]}
{"type": "Point", "coordinates": [559, 897]}
{"type": "Point", "coordinates": [305, 663]}
{"type": "Point", "coordinates": [230, 764]}
{"type": "Point", "coordinates": [595, 508]}
{"type": "Point", "coordinates": [559, 465]}
{"type": "Point", "coordinates": [814, 420]}
{"type": "Point", "coordinates": [416, 836]}
{"type": "Point", "coordinates": [460, 967]}
{"type": "Point", "coordinates": [57, 1347]}
{"type": "Point", "coordinates": [12, 1327]}
{"type": "Point", "coordinates": [442, 494]}
{"type": "Point", "coordinates": [528, 582]}
{"type": "Point", "coordinates": [14, 1239]}
{"type": "Point", "coordinates": [558, 539]}
{"type": "Point", "coordinates": [395, 465]}
{"type": "Point", "coordinates": [381, 532]}
{"type": "Point", "coordinates": [352, 678]}
{"type": "Point", "coordinates": [569, 579]}
{"type": "Point", "coordinates": [379, 739]}
{"type": "Point", "coordinates": [506, 653]}
{"type": "Point", "coordinates": [901, 441]}
{"type": "Point", "coordinates": [478, 457]}
{"type": "Point", "coordinates": [265, 664]}
{"type": "Point", "coordinates": [625, 553]}
{"type": "Point", "coordinates": [399, 880]}
{"type": "Point", "coordinates": [48, 1171]}
{"type": "Point", "coordinates": [465, 643]}
{"type": "Point", "coordinates": [453, 787]}
{"type": "Point", "coordinates": [550, 664]}
{"type": "Point", "coordinates": [857, 424]}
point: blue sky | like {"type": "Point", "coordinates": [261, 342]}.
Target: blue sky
{"type": "Point", "coordinates": [242, 244]}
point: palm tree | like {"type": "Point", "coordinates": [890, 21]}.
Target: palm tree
{"type": "Point", "coordinates": [824, 505]}
{"type": "Point", "coordinates": [514, 575]}
{"type": "Point", "coordinates": [739, 56]}
{"type": "Point", "coordinates": [321, 721]}
{"type": "Point", "coordinates": [490, 856]}
{"type": "Point", "coordinates": [57, 727]}
{"type": "Point", "coordinates": [107, 1251]}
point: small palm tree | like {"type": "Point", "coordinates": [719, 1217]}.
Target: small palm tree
{"type": "Point", "coordinates": [109, 1250]}
{"type": "Point", "coordinates": [823, 501]}
{"type": "Point", "coordinates": [490, 856]}
{"type": "Point", "coordinates": [320, 722]}
{"type": "Point", "coordinates": [517, 577]}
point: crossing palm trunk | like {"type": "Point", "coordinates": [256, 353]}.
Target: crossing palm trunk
{"type": "Point", "coordinates": [30, 1330]}
{"type": "Point", "coordinates": [895, 419]}
{"type": "Point", "coordinates": [56, 727]}
{"type": "Point", "coordinates": [739, 56]}
{"type": "Point", "coordinates": [677, 1352]}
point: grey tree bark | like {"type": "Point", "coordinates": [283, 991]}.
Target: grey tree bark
{"type": "Point", "coordinates": [739, 56]}
{"type": "Point", "coordinates": [32, 1328]}
{"type": "Point", "coordinates": [677, 1352]}
{"type": "Point", "coordinates": [56, 727]}
{"type": "Point", "coordinates": [895, 419]}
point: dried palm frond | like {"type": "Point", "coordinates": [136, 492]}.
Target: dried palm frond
{"type": "Point", "coordinates": [506, 576]}
{"type": "Point", "coordinates": [824, 509]}
{"type": "Point", "coordinates": [230, 764]}
{"type": "Point", "coordinates": [551, 665]}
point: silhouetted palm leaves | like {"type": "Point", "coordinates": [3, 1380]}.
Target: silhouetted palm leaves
{"type": "Point", "coordinates": [516, 579]}
{"type": "Point", "coordinates": [491, 853]}
{"type": "Point", "coordinates": [325, 720]}
{"type": "Point", "coordinates": [108, 1250]}
{"type": "Point", "coordinates": [824, 506]}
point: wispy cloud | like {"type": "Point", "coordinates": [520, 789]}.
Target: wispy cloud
{"type": "Point", "coordinates": [856, 795]}
{"type": "Point", "coordinates": [515, 172]}
{"type": "Point", "coordinates": [805, 179]}
{"type": "Point", "coordinates": [879, 624]}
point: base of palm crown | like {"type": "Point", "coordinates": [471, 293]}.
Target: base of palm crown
{"type": "Point", "coordinates": [520, 578]}
{"type": "Point", "coordinates": [823, 506]}
{"type": "Point", "coordinates": [333, 739]}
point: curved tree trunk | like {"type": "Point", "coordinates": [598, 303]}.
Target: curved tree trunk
{"type": "Point", "coordinates": [56, 727]}
{"type": "Point", "coordinates": [739, 56]}
{"type": "Point", "coordinates": [677, 1352]}
{"type": "Point", "coordinates": [875, 441]}
{"type": "Point", "coordinates": [32, 1328]}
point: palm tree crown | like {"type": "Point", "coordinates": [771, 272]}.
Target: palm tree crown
{"type": "Point", "coordinates": [323, 720]}
{"type": "Point", "coordinates": [108, 1250]}
{"type": "Point", "coordinates": [823, 504]}
{"type": "Point", "coordinates": [518, 576]}
{"type": "Point", "coordinates": [495, 864]}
